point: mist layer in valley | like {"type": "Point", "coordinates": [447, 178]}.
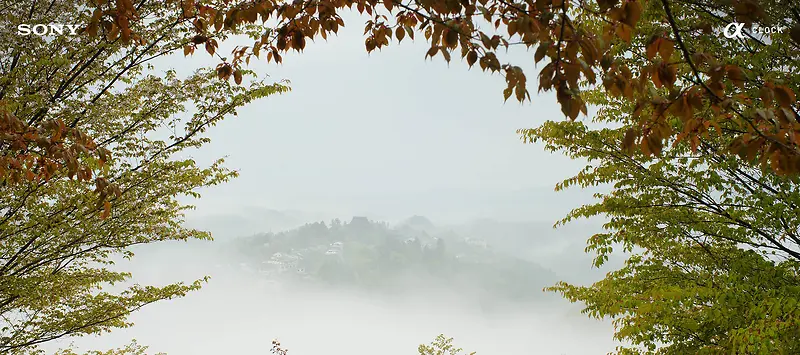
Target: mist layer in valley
{"type": "Point", "coordinates": [362, 287]}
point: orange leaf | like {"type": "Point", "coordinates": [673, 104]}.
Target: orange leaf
{"type": "Point", "coordinates": [106, 210]}
{"type": "Point", "coordinates": [625, 32]}
{"type": "Point", "coordinates": [633, 11]}
{"type": "Point", "coordinates": [652, 48]}
{"type": "Point", "coordinates": [736, 75]}
{"type": "Point", "coordinates": [665, 48]}
{"type": "Point", "coordinates": [656, 78]}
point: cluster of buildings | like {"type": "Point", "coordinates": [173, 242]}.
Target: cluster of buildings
{"type": "Point", "coordinates": [285, 262]}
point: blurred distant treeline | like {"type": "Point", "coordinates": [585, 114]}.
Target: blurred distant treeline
{"type": "Point", "coordinates": [373, 256]}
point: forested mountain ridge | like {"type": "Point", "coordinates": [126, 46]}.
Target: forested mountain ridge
{"type": "Point", "coordinates": [374, 256]}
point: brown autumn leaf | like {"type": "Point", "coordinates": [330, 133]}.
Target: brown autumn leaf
{"type": "Point", "coordinates": [280, 42]}
{"type": "Point", "coordinates": [472, 57]}
{"type": "Point", "coordinates": [113, 32]}
{"type": "Point", "coordinates": [629, 140]}
{"type": "Point", "coordinates": [188, 7]}
{"type": "Point", "coordinates": [794, 34]}
{"type": "Point", "coordinates": [652, 47]}
{"type": "Point", "coordinates": [219, 21]}
{"type": "Point", "coordinates": [432, 52]}
{"type": "Point", "coordinates": [210, 48]}
{"type": "Point", "coordinates": [400, 33]}
{"type": "Point", "coordinates": [106, 210]}
{"type": "Point", "coordinates": [541, 51]}
{"type": "Point", "coordinates": [766, 94]}
{"type": "Point", "coordinates": [237, 76]}
{"type": "Point", "coordinates": [298, 41]}
{"type": "Point", "coordinates": [736, 75]}
{"type": "Point", "coordinates": [633, 11]}
{"type": "Point", "coordinates": [450, 38]}
{"type": "Point", "coordinates": [668, 75]}
{"type": "Point", "coordinates": [624, 31]}
{"type": "Point", "coordinates": [512, 28]}
{"type": "Point", "coordinates": [656, 76]}
{"type": "Point", "coordinates": [666, 48]}
{"type": "Point", "coordinates": [784, 96]}
{"type": "Point", "coordinates": [93, 27]}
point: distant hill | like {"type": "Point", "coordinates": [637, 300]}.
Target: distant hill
{"type": "Point", "coordinates": [537, 242]}
{"type": "Point", "coordinates": [371, 255]}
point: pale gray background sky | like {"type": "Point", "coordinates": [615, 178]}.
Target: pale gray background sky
{"type": "Point", "coordinates": [387, 134]}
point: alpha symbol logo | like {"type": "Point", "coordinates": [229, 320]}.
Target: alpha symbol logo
{"type": "Point", "coordinates": [733, 30]}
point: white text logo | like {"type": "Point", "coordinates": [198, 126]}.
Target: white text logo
{"type": "Point", "coordinates": [43, 30]}
{"type": "Point", "coordinates": [735, 30]}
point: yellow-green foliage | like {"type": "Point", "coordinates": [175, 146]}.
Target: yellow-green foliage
{"type": "Point", "coordinates": [131, 349]}
{"type": "Point", "coordinates": [441, 346]}
{"type": "Point", "coordinates": [57, 237]}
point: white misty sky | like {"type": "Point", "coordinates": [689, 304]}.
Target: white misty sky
{"type": "Point", "coordinates": [387, 134]}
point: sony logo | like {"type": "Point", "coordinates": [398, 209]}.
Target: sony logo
{"type": "Point", "coordinates": [42, 30]}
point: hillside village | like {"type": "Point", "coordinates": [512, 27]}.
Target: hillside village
{"type": "Point", "coordinates": [372, 255]}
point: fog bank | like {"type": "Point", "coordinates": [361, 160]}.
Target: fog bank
{"type": "Point", "coordinates": [239, 313]}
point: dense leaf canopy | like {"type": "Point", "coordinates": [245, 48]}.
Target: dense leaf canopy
{"type": "Point", "coordinates": [715, 242]}
{"type": "Point", "coordinates": [669, 58]}
{"type": "Point", "coordinates": [64, 99]}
